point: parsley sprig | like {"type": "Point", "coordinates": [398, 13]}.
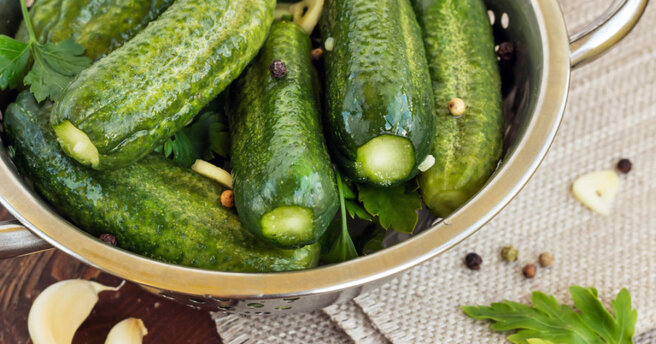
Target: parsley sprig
{"type": "Point", "coordinates": [548, 322]}
{"type": "Point", "coordinates": [54, 67]}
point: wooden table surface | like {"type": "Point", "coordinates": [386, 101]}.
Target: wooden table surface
{"type": "Point", "coordinates": [23, 278]}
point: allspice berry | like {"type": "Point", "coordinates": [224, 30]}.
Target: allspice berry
{"type": "Point", "coordinates": [509, 254]}
{"type": "Point", "coordinates": [228, 198]}
{"type": "Point", "coordinates": [506, 51]}
{"type": "Point", "coordinates": [457, 107]}
{"type": "Point", "coordinates": [624, 166]}
{"type": "Point", "coordinates": [546, 259]}
{"type": "Point", "coordinates": [473, 261]}
{"type": "Point", "coordinates": [530, 270]}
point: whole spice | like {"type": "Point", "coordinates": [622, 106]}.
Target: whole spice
{"type": "Point", "coordinates": [457, 107]}
{"type": "Point", "coordinates": [509, 254]}
{"type": "Point", "coordinates": [109, 239]}
{"type": "Point", "coordinates": [473, 261]}
{"type": "Point", "coordinates": [624, 166]}
{"type": "Point", "coordinates": [530, 270]}
{"type": "Point", "coordinates": [546, 259]}
{"type": "Point", "coordinates": [278, 69]}
{"type": "Point", "coordinates": [506, 51]}
{"type": "Point", "coordinates": [228, 198]}
{"type": "Point", "coordinates": [317, 54]}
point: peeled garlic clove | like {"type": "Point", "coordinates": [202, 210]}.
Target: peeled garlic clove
{"type": "Point", "coordinates": [60, 309]}
{"type": "Point", "coordinates": [210, 171]}
{"type": "Point", "coordinates": [128, 331]}
{"type": "Point", "coordinates": [597, 190]}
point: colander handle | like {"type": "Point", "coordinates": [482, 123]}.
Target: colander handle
{"type": "Point", "coordinates": [602, 34]}
{"type": "Point", "coordinates": [16, 240]}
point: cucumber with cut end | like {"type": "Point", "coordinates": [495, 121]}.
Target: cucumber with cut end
{"type": "Point", "coordinates": [377, 88]}
{"type": "Point", "coordinates": [463, 64]}
{"type": "Point", "coordinates": [284, 183]}
{"type": "Point", "coordinates": [100, 26]}
{"type": "Point", "coordinates": [153, 207]}
{"type": "Point", "coordinates": [133, 99]}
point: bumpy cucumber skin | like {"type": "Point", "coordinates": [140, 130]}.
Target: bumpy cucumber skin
{"type": "Point", "coordinates": [377, 79]}
{"type": "Point", "coordinates": [279, 157]}
{"type": "Point", "coordinates": [153, 207]}
{"type": "Point", "coordinates": [463, 64]}
{"type": "Point", "coordinates": [140, 94]}
{"type": "Point", "coordinates": [100, 26]}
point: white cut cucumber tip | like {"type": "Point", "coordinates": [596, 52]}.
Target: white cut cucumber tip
{"type": "Point", "coordinates": [215, 173]}
{"type": "Point", "coordinates": [386, 159]}
{"type": "Point", "coordinates": [288, 222]}
{"type": "Point", "coordinates": [77, 144]}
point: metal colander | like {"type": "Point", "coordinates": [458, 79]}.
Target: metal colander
{"type": "Point", "coordinates": [535, 93]}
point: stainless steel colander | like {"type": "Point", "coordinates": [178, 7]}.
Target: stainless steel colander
{"type": "Point", "coordinates": [536, 93]}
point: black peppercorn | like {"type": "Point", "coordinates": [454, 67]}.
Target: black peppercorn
{"type": "Point", "coordinates": [473, 261]}
{"type": "Point", "coordinates": [506, 51]}
{"type": "Point", "coordinates": [109, 239]}
{"type": "Point", "coordinates": [624, 165]}
{"type": "Point", "coordinates": [278, 69]}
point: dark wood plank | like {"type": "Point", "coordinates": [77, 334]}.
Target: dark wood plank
{"type": "Point", "coordinates": [23, 278]}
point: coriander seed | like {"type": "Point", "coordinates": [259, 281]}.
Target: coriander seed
{"type": "Point", "coordinates": [473, 261]}
{"type": "Point", "coordinates": [546, 259]}
{"type": "Point", "coordinates": [278, 69]}
{"type": "Point", "coordinates": [109, 239]}
{"type": "Point", "coordinates": [509, 254]}
{"type": "Point", "coordinates": [530, 270]}
{"type": "Point", "coordinates": [624, 166]}
{"type": "Point", "coordinates": [228, 198]}
{"type": "Point", "coordinates": [457, 107]}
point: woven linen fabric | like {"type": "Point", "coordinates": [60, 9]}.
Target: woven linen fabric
{"type": "Point", "coordinates": [611, 114]}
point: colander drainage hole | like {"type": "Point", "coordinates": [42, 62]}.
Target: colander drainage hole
{"type": "Point", "coordinates": [197, 301]}
{"type": "Point", "coordinates": [291, 299]}
{"type": "Point", "coordinates": [283, 308]}
{"type": "Point", "coordinates": [255, 305]}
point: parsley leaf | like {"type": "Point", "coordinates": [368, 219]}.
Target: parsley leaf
{"type": "Point", "coordinates": [55, 66]}
{"type": "Point", "coordinates": [396, 206]}
{"type": "Point", "coordinates": [548, 322]}
{"type": "Point", "coordinates": [14, 56]}
{"type": "Point", "coordinates": [341, 247]}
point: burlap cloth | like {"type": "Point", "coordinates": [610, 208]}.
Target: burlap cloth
{"type": "Point", "coordinates": [611, 114]}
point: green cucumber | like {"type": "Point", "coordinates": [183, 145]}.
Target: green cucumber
{"type": "Point", "coordinates": [130, 101]}
{"type": "Point", "coordinates": [463, 64]}
{"type": "Point", "coordinates": [284, 183]}
{"type": "Point", "coordinates": [100, 26]}
{"type": "Point", "coordinates": [153, 207]}
{"type": "Point", "coordinates": [380, 123]}
{"type": "Point", "coordinates": [10, 16]}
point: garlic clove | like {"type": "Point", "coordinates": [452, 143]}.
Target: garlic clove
{"type": "Point", "coordinates": [597, 190]}
{"type": "Point", "coordinates": [128, 331]}
{"type": "Point", "coordinates": [60, 310]}
{"type": "Point", "coordinates": [215, 173]}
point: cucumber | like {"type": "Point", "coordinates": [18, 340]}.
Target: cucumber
{"type": "Point", "coordinates": [127, 103]}
{"type": "Point", "coordinates": [379, 122]}
{"type": "Point", "coordinates": [153, 207]}
{"type": "Point", "coordinates": [284, 183]}
{"type": "Point", "coordinates": [100, 26]}
{"type": "Point", "coordinates": [463, 64]}
{"type": "Point", "coordinates": [10, 16]}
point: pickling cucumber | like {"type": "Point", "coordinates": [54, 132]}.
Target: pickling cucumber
{"type": "Point", "coordinates": [100, 26]}
{"type": "Point", "coordinates": [380, 123]}
{"type": "Point", "coordinates": [284, 183]}
{"type": "Point", "coordinates": [153, 207]}
{"type": "Point", "coordinates": [463, 65]}
{"type": "Point", "coordinates": [10, 14]}
{"type": "Point", "coordinates": [121, 108]}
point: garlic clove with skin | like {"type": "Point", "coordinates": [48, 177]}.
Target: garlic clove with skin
{"type": "Point", "coordinates": [60, 310]}
{"type": "Point", "coordinates": [128, 331]}
{"type": "Point", "coordinates": [597, 190]}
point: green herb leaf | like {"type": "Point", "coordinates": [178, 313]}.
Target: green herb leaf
{"type": "Point", "coordinates": [14, 56]}
{"type": "Point", "coordinates": [220, 139]}
{"type": "Point", "coordinates": [341, 245]}
{"type": "Point", "coordinates": [355, 209]}
{"type": "Point", "coordinates": [548, 322]}
{"type": "Point", "coordinates": [372, 242]}
{"type": "Point", "coordinates": [396, 207]}
{"type": "Point", "coordinates": [55, 66]}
